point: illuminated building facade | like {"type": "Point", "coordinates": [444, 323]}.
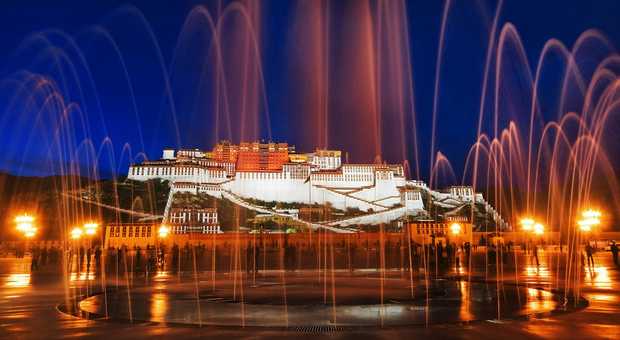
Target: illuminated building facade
{"type": "Point", "coordinates": [424, 232]}
{"type": "Point", "coordinates": [274, 172]}
{"type": "Point", "coordinates": [262, 156]}
{"type": "Point", "coordinates": [194, 220]}
{"type": "Point", "coordinates": [130, 235]}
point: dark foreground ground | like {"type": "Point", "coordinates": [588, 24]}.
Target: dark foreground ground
{"type": "Point", "coordinates": [29, 302]}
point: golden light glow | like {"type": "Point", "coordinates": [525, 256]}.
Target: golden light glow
{"type": "Point", "coordinates": [24, 219]}
{"type": "Point", "coordinates": [590, 213]}
{"type": "Point", "coordinates": [539, 229]}
{"type": "Point", "coordinates": [30, 232]}
{"type": "Point", "coordinates": [584, 226]}
{"type": "Point", "coordinates": [82, 276]}
{"type": "Point", "coordinates": [163, 231]}
{"type": "Point", "coordinates": [455, 228]}
{"type": "Point", "coordinates": [76, 233]}
{"type": "Point", "coordinates": [527, 224]}
{"type": "Point", "coordinates": [590, 218]}
{"type": "Point", "coordinates": [25, 225]}
{"type": "Point", "coordinates": [18, 280]}
{"type": "Point", "coordinates": [90, 228]}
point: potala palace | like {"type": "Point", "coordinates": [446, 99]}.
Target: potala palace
{"type": "Point", "coordinates": [258, 171]}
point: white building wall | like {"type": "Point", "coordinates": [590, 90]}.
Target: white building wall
{"type": "Point", "coordinates": [379, 186]}
{"type": "Point", "coordinates": [382, 190]}
{"type": "Point", "coordinates": [178, 173]}
{"type": "Point", "coordinates": [278, 187]}
{"type": "Point", "coordinates": [168, 154]}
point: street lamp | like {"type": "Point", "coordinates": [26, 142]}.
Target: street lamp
{"type": "Point", "coordinates": [25, 225]}
{"type": "Point", "coordinates": [90, 228]}
{"type": "Point", "coordinates": [76, 233]}
{"type": "Point", "coordinates": [455, 229]}
{"type": "Point", "coordinates": [590, 218]}
{"type": "Point", "coordinates": [163, 231]}
{"type": "Point", "coordinates": [539, 229]}
{"type": "Point", "coordinates": [527, 224]}
{"type": "Point", "coordinates": [26, 228]}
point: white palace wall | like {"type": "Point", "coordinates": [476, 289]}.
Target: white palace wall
{"type": "Point", "coordinates": [268, 187]}
{"type": "Point", "coordinates": [384, 192]}
{"type": "Point", "coordinates": [277, 186]}
{"type": "Point", "coordinates": [357, 186]}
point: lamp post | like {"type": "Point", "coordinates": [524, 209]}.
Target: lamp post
{"type": "Point", "coordinates": [163, 231]}
{"type": "Point", "coordinates": [90, 229]}
{"type": "Point", "coordinates": [76, 235]}
{"type": "Point", "coordinates": [455, 229]}
{"type": "Point", "coordinates": [589, 218]}
{"type": "Point", "coordinates": [527, 225]}
{"type": "Point", "coordinates": [162, 234]}
{"type": "Point", "coordinates": [25, 225]}
{"type": "Point", "coordinates": [539, 229]}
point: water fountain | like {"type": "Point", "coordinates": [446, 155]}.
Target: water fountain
{"type": "Point", "coordinates": [355, 61]}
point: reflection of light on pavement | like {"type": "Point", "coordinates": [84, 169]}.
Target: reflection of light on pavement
{"type": "Point", "coordinates": [539, 300]}
{"type": "Point", "coordinates": [160, 278]}
{"type": "Point", "coordinates": [18, 280]}
{"type": "Point", "coordinates": [374, 311]}
{"type": "Point", "coordinates": [537, 271]}
{"type": "Point", "coordinates": [603, 297]}
{"type": "Point", "coordinates": [159, 307]}
{"type": "Point", "coordinates": [464, 312]}
{"type": "Point", "coordinates": [83, 276]}
{"type": "Point", "coordinates": [598, 277]}
{"type": "Point", "coordinates": [160, 274]}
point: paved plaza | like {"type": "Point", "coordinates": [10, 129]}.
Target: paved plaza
{"type": "Point", "coordinates": [32, 304]}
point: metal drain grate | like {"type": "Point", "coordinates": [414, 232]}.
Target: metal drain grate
{"type": "Point", "coordinates": [319, 329]}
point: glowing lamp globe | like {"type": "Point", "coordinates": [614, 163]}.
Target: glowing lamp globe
{"type": "Point", "coordinates": [163, 231]}
{"type": "Point", "coordinates": [455, 228]}
{"type": "Point", "coordinates": [527, 224]}
{"type": "Point", "coordinates": [539, 229]}
{"type": "Point", "coordinates": [76, 233]}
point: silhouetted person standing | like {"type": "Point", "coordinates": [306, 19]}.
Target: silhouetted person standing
{"type": "Point", "coordinates": [88, 254]}
{"type": "Point", "coordinates": [138, 259]}
{"type": "Point", "coordinates": [589, 253]}
{"type": "Point", "coordinates": [98, 258]}
{"type": "Point", "coordinates": [81, 258]}
{"type": "Point", "coordinates": [614, 252]}
{"type": "Point", "coordinates": [34, 263]}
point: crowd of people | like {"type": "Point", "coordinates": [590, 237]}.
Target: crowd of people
{"type": "Point", "coordinates": [43, 256]}
{"type": "Point", "coordinates": [438, 254]}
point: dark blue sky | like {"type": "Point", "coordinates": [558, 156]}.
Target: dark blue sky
{"type": "Point", "coordinates": [112, 116]}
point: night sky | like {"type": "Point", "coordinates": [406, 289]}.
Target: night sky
{"type": "Point", "coordinates": [110, 111]}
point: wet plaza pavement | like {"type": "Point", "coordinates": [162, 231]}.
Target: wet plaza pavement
{"type": "Point", "coordinates": [28, 305]}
